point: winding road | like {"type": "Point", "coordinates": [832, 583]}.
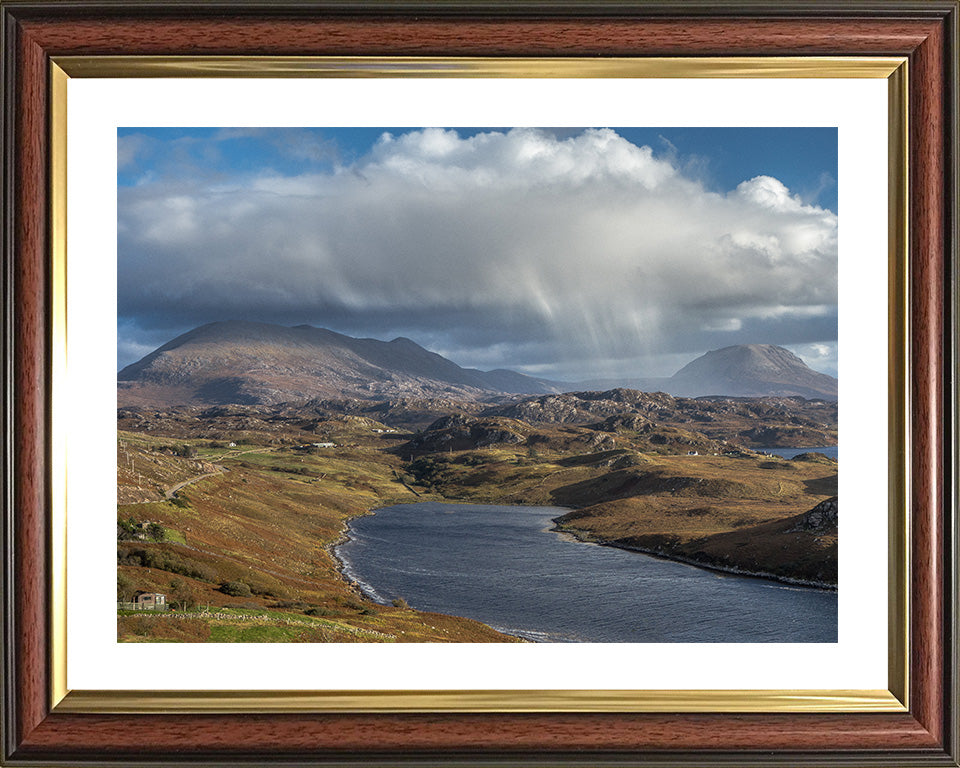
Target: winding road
{"type": "Point", "coordinates": [171, 492]}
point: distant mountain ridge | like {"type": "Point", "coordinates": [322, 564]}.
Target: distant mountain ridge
{"type": "Point", "coordinates": [252, 363]}
{"type": "Point", "coordinates": [743, 370]}
{"type": "Point", "coordinates": [259, 363]}
{"type": "Point", "coordinates": [752, 370]}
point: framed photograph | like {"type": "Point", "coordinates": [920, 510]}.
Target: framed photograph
{"type": "Point", "coordinates": [518, 281]}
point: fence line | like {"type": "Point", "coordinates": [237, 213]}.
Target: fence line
{"type": "Point", "coordinates": [125, 606]}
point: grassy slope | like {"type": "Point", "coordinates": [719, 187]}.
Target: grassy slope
{"type": "Point", "coordinates": [269, 519]}
{"type": "Point", "coordinates": [268, 522]}
{"type": "Point", "coordinates": [725, 512]}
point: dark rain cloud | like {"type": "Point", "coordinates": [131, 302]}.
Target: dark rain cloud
{"type": "Point", "coordinates": [505, 249]}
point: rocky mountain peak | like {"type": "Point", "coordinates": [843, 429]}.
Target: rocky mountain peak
{"type": "Point", "coordinates": [751, 370]}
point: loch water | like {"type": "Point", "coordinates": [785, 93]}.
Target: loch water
{"type": "Point", "coordinates": [830, 451]}
{"type": "Point", "coordinates": [504, 566]}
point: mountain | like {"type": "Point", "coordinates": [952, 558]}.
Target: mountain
{"type": "Point", "coordinates": [262, 364]}
{"type": "Point", "coordinates": [258, 363]}
{"type": "Point", "coordinates": [751, 370]}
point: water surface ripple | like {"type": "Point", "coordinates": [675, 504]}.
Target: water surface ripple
{"type": "Point", "coordinates": [502, 565]}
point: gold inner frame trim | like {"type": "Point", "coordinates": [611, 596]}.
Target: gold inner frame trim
{"type": "Point", "coordinates": [58, 370]}
{"type": "Point", "coordinates": [544, 701]}
{"type": "Point", "coordinates": [898, 414]}
{"type": "Point", "coordinates": [432, 66]}
{"type": "Point", "coordinates": [893, 69]}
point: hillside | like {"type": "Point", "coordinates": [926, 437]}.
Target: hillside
{"type": "Point", "coordinates": [248, 499]}
{"type": "Point", "coordinates": [259, 363]}
{"type": "Point", "coordinates": [762, 422]}
{"type": "Point", "coordinates": [243, 553]}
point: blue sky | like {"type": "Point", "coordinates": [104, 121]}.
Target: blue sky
{"type": "Point", "coordinates": [804, 159]}
{"type": "Point", "coordinates": [566, 253]}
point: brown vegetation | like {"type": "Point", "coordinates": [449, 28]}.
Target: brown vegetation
{"type": "Point", "coordinates": [252, 532]}
{"type": "Point", "coordinates": [267, 525]}
{"type": "Point", "coordinates": [704, 516]}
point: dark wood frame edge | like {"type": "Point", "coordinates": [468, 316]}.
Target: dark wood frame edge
{"type": "Point", "coordinates": [538, 9]}
{"type": "Point", "coordinates": [7, 138]}
{"type": "Point", "coordinates": [926, 31]}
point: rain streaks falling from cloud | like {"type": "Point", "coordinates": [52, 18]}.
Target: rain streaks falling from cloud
{"type": "Point", "coordinates": [572, 256]}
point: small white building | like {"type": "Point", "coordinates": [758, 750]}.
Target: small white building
{"type": "Point", "coordinates": [692, 453]}
{"type": "Point", "coordinates": [150, 601]}
{"type": "Point", "coordinates": [324, 445]}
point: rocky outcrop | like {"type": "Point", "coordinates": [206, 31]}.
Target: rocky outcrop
{"type": "Point", "coordinates": [814, 457]}
{"type": "Point", "coordinates": [633, 422]}
{"type": "Point", "coordinates": [822, 518]}
{"type": "Point", "coordinates": [459, 433]}
{"type": "Point", "coordinates": [762, 422]}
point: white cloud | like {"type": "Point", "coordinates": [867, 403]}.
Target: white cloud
{"type": "Point", "coordinates": [821, 356]}
{"type": "Point", "coordinates": [585, 247]}
{"type": "Point", "coordinates": [729, 325]}
{"type": "Point", "coordinates": [129, 351]}
{"type": "Point", "coordinates": [128, 148]}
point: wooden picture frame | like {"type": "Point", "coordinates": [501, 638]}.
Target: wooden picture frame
{"type": "Point", "coordinates": [39, 730]}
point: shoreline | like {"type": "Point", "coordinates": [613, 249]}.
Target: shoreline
{"type": "Point", "coordinates": [340, 566]}
{"type": "Point", "coordinates": [358, 587]}
{"type": "Point", "coordinates": [732, 570]}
